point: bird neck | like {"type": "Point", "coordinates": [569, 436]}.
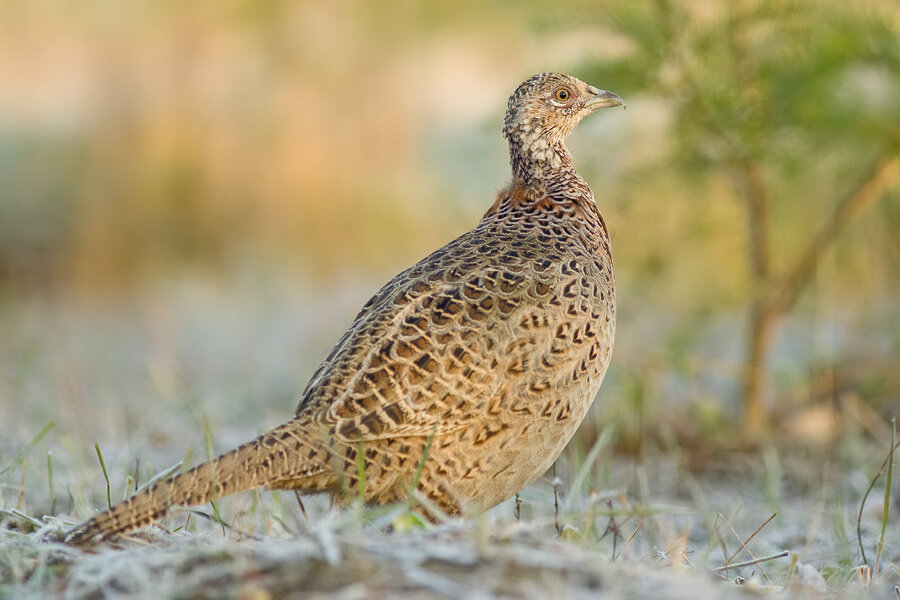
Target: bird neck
{"type": "Point", "coordinates": [545, 181]}
{"type": "Point", "coordinates": [544, 177]}
{"type": "Point", "coordinates": [547, 170]}
{"type": "Point", "coordinates": [541, 162]}
{"type": "Point", "coordinates": [535, 155]}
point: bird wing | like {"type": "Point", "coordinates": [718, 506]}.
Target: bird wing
{"type": "Point", "coordinates": [435, 347]}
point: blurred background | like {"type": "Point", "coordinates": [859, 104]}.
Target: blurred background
{"type": "Point", "coordinates": [196, 198]}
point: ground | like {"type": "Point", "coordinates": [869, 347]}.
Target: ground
{"type": "Point", "coordinates": [154, 381]}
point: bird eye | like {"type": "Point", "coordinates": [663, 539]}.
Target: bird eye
{"type": "Point", "coordinates": [562, 95]}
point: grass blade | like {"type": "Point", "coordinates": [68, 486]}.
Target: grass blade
{"type": "Point", "coordinates": [584, 470]}
{"type": "Point", "coordinates": [361, 474]}
{"type": "Point", "coordinates": [214, 487]}
{"type": "Point", "coordinates": [165, 474]}
{"type": "Point", "coordinates": [105, 474]}
{"type": "Point", "coordinates": [50, 480]}
{"type": "Point", "coordinates": [28, 447]}
{"type": "Point", "coordinates": [421, 466]}
{"type": "Point", "coordinates": [862, 503]}
{"type": "Point", "coordinates": [886, 513]}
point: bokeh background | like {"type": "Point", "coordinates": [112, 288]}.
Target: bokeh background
{"type": "Point", "coordinates": [196, 198]}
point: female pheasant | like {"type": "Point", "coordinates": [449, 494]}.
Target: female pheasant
{"type": "Point", "coordinates": [467, 374]}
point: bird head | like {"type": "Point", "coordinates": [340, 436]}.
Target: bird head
{"type": "Point", "coordinates": [544, 110]}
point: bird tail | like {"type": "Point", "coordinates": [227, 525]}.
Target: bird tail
{"type": "Point", "coordinates": [268, 458]}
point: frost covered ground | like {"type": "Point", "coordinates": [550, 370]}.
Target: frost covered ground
{"type": "Point", "coordinates": [146, 380]}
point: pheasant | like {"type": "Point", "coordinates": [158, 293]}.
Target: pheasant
{"type": "Point", "coordinates": [466, 374]}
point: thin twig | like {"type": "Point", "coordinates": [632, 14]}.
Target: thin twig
{"type": "Point", "coordinates": [300, 502]}
{"type": "Point", "coordinates": [735, 533]}
{"type": "Point", "coordinates": [556, 483]}
{"type": "Point", "coordinates": [750, 563]}
{"type": "Point", "coordinates": [747, 541]}
{"type": "Point", "coordinates": [715, 529]}
{"type": "Point", "coordinates": [640, 525]}
{"type": "Point", "coordinates": [613, 528]}
{"type": "Point", "coordinates": [218, 520]}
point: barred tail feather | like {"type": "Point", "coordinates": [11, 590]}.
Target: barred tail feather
{"type": "Point", "coordinates": [269, 457]}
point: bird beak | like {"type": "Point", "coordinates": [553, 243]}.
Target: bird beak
{"type": "Point", "coordinates": [602, 99]}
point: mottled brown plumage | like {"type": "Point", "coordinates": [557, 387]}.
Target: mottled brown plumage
{"type": "Point", "coordinates": [492, 347]}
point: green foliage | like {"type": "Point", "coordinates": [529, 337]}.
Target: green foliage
{"type": "Point", "coordinates": [807, 92]}
{"type": "Point", "coordinates": [780, 82]}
